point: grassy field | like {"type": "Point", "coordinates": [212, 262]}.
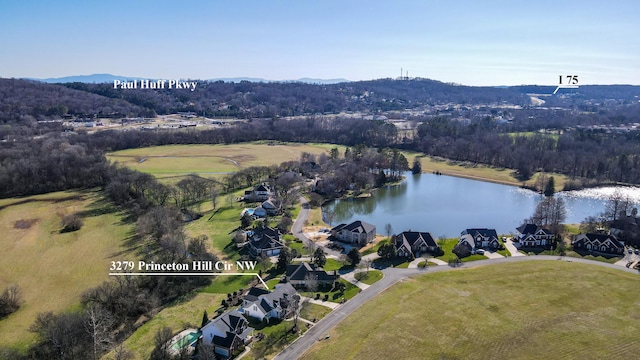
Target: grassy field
{"type": "Point", "coordinates": [51, 268]}
{"type": "Point", "coordinates": [311, 311]}
{"type": "Point", "coordinates": [479, 172]}
{"type": "Point", "coordinates": [349, 292]}
{"type": "Point", "coordinates": [175, 160]}
{"type": "Point", "coordinates": [527, 310]}
{"type": "Point", "coordinates": [178, 317]}
{"type": "Point", "coordinates": [369, 277]}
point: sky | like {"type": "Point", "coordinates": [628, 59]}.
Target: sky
{"type": "Point", "coordinates": [467, 42]}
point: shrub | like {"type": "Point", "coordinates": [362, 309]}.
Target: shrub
{"type": "Point", "coordinates": [10, 300]}
{"type": "Point", "coordinates": [72, 222]}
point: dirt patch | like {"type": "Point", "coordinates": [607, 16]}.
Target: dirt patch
{"type": "Point", "coordinates": [25, 223]}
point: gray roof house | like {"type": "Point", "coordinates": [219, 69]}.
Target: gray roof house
{"type": "Point", "coordinates": [413, 243]}
{"type": "Point", "coordinates": [302, 274]}
{"type": "Point", "coordinates": [227, 333]}
{"type": "Point", "coordinates": [602, 243]}
{"type": "Point", "coordinates": [357, 233]}
{"type": "Point", "coordinates": [262, 304]}
{"type": "Point", "coordinates": [480, 238]}
{"type": "Point", "coordinates": [264, 242]}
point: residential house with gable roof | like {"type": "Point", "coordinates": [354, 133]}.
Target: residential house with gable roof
{"type": "Point", "coordinates": [357, 233]}
{"type": "Point", "coordinates": [261, 192]}
{"type": "Point", "coordinates": [414, 243]}
{"type": "Point", "coordinates": [265, 241]}
{"type": "Point", "coordinates": [303, 274]}
{"type": "Point", "coordinates": [227, 333]}
{"type": "Point", "coordinates": [480, 238]}
{"type": "Point", "coordinates": [532, 235]}
{"type": "Point", "coordinates": [262, 304]}
{"type": "Point", "coordinates": [603, 243]}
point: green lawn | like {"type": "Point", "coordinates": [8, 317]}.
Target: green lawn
{"type": "Point", "coordinates": [229, 284]}
{"type": "Point", "coordinates": [447, 247]}
{"type": "Point", "coordinates": [473, 258]}
{"type": "Point", "coordinates": [504, 252]}
{"type": "Point", "coordinates": [311, 311]}
{"type": "Point", "coordinates": [374, 248]}
{"type": "Point", "coordinates": [609, 260]}
{"type": "Point", "coordinates": [333, 264]}
{"type": "Point", "coordinates": [350, 291]}
{"type": "Point", "coordinates": [178, 317]}
{"type": "Point", "coordinates": [51, 268]}
{"type": "Point", "coordinates": [527, 310]}
{"type": "Point", "coordinates": [369, 277]}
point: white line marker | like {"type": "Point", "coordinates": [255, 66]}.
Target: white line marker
{"type": "Point", "coordinates": [190, 274]}
{"type": "Point", "coordinates": [565, 87]}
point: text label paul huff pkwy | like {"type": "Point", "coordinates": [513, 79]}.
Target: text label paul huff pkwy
{"type": "Point", "coordinates": [155, 84]}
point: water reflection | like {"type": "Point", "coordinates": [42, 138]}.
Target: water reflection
{"type": "Point", "coordinates": [446, 205]}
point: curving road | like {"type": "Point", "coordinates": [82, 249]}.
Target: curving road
{"type": "Point", "coordinates": [393, 275]}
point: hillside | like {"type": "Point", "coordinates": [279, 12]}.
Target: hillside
{"type": "Point", "coordinates": [24, 102]}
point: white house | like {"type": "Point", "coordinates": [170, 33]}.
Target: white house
{"type": "Point", "coordinates": [531, 235]}
{"type": "Point", "coordinates": [262, 304]}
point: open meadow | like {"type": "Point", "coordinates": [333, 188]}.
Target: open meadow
{"type": "Point", "coordinates": [527, 310]}
{"type": "Point", "coordinates": [52, 268]}
{"type": "Point", "coordinates": [173, 161]}
{"type": "Point", "coordinates": [206, 160]}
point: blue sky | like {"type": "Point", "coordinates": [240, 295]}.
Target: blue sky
{"type": "Point", "coordinates": [468, 42]}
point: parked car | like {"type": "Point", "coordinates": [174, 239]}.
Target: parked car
{"type": "Point", "coordinates": [480, 252]}
{"type": "Point", "coordinates": [637, 251]}
{"type": "Point", "coordinates": [630, 251]}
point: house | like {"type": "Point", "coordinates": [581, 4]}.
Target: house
{"type": "Point", "coordinates": [531, 235]}
{"type": "Point", "coordinates": [227, 333]}
{"type": "Point", "coordinates": [604, 243]}
{"type": "Point", "coordinates": [357, 233]}
{"type": "Point", "coordinates": [480, 238]}
{"type": "Point", "coordinates": [262, 304]}
{"type": "Point", "coordinates": [413, 243]}
{"type": "Point", "coordinates": [259, 212]}
{"type": "Point", "coordinates": [303, 274]}
{"type": "Point", "coordinates": [261, 192]}
{"type": "Point", "coordinates": [271, 206]}
{"type": "Point", "coordinates": [265, 241]}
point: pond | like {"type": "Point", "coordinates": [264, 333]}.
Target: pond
{"type": "Point", "coordinates": [446, 205]}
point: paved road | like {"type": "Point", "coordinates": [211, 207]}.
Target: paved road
{"type": "Point", "coordinates": [296, 228]}
{"type": "Point", "coordinates": [393, 275]}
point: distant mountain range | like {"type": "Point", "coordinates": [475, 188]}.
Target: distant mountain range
{"type": "Point", "coordinates": [107, 78]}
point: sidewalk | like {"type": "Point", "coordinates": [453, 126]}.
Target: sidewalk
{"type": "Point", "coordinates": [328, 304]}
{"type": "Point", "coordinates": [350, 277]}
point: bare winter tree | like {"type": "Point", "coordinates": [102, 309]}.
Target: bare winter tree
{"type": "Point", "coordinates": [617, 206]}
{"type": "Point", "coordinates": [388, 228]}
{"type": "Point", "coordinates": [98, 323]}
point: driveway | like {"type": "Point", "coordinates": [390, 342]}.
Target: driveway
{"type": "Point", "coordinates": [512, 248]}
